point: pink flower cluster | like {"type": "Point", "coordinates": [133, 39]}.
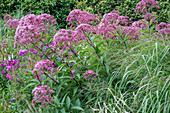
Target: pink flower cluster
{"type": "Point", "coordinates": [83, 30]}
{"type": "Point", "coordinates": [69, 37]}
{"type": "Point", "coordinates": [132, 32]}
{"type": "Point", "coordinates": [77, 17]}
{"type": "Point", "coordinates": [149, 17]}
{"type": "Point", "coordinates": [140, 24]}
{"type": "Point", "coordinates": [64, 36]}
{"type": "Point", "coordinates": [42, 94]}
{"type": "Point", "coordinates": [43, 65]}
{"type": "Point", "coordinates": [32, 27]}
{"type": "Point", "coordinates": [4, 44]}
{"type": "Point", "coordinates": [163, 28]}
{"type": "Point", "coordinates": [145, 5]}
{"type": "Point", "coordinates": [124, 20]}
{"type": "Point", "coordinates": [90, 74]}
{"type": "Point", "coordinates": [12, 23]}
{"type": "Point", "coordinates": [107, 31]}
{"type": "Point", "coordinates": [111, 18]}
{"type": "Point", "coordinates": [114, 18]}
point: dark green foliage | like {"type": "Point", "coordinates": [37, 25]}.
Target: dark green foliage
{"type": "Point", "coordinates": [61, 8]}
{"type": "Point", "coordinates": [125, 7]}
{"type": "Point", "coordinates": [3, 83]}
{"type": "Point", "coordinates": [58, 8]}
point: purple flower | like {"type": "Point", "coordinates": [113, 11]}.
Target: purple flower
{"type": "Point", "coordinates": [16, 75]}
{"type": "Point", "coordinates": [3, 71]}
{"type": "Point", "coordinates": [9, 77]}
{"type": "Point", "coordinates": [2, 65]}
{"type": "Point", "coordinates": [26, 72]}
{"type": "Point", "coordinates": [22, 52]}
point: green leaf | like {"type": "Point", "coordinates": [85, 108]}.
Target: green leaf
{"type": "Point", "coordinates": [29, 85]}
{"type": "Point", "coordinates": [77, 63]}
{"type": "Point", "coordinates": [78, 102]}
{"type": "Point", "coordinates": [97, 49]}
{"type": "Point", "coordinates": [74, 91]}
{"type": "Point", "coordinates": [121, 31]}
{"type": "Point", "coordinates": [91, 100]}
{"type": "Point", "coordinates": [62, 102]}
{"type": "Point", "coordinates": [68, 102]}
{"type": "Point", "coordinates": [77, 107]}
{"type": "Point", "coordinates": [126, 39]}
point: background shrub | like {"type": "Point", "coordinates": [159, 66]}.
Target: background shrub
{"type": "Point", "coordinates": [58, 8]}
{"type": "Point", "coordinates": [61, 8]}
{"type": "Point", "coordinates": [125, 7]}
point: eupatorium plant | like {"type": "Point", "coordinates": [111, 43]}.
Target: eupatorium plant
{"type": "Point", "coordinates": [31, 28]}
{"type": "Point", "coordinates": [42, 94]}
{"type": "Point", "coordinates": [145, 6]}
{"type": "Point", "coordinates": [77, 17]}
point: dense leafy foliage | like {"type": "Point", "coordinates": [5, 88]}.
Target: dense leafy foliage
{"type": "Point", "coordinates": [125, 7]}
{"type": "Point", "coordinates": [58, 8]}
{"type": "Point", "coordinates": [61, 8]}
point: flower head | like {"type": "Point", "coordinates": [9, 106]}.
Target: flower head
{"type": "Point", "coordinates": [77, 17]}
{"type": "Point", "coordinates": [42, 94]}
{"type": "Point", "coordinates": [43, 65]}
{"type": "Point", "coordinates": [90, 74]}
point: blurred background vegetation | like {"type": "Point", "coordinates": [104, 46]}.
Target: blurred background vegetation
{"type": "Point", "coordinates": [61, 8]}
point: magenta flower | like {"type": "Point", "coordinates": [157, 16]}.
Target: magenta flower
{"type": "Point", "coordinates": [26, 72]}
{"type": "Point", "coordinates": [9, 77]}
{"type": "Point", "coordinates": [2, 65]}
{"type": "Point", "coordinates": [3, 71]}
{"type": "Point", "coordinates": [22, 52]}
